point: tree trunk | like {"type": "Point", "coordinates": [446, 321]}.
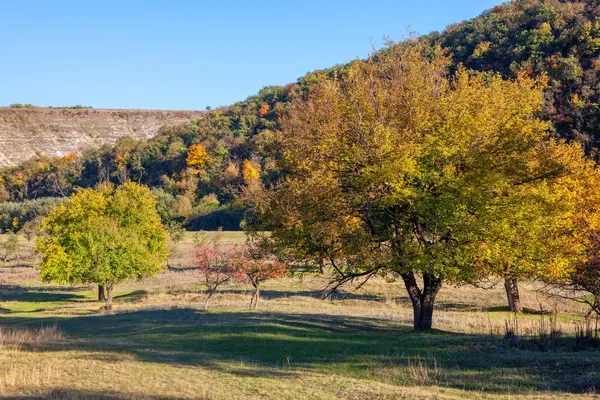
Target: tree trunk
{"type": "Point", "coordinates": [109, 297]}
{"type": "Point", "coordinates": [208, 296]}
{"type": "Point", "coordinates": [422, 300]}
{"type": "Point", "coordinates": [255, 295]}
{"type": "Point", "coordinates": [101, 295]}
{"type": "Point", "coordinates": [512, 294]}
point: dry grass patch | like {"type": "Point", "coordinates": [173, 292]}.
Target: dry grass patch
{"type": "Point", "coordinates": [16, 338]}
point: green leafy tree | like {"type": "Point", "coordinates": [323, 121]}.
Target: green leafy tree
{"type": "Point", "coordinates": [11, 246]}
{"type": "Point", "coordinates": [103, 236]}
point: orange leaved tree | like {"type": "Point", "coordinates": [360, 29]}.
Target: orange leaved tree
{"type": "Point", "coordinates": [254, 259]}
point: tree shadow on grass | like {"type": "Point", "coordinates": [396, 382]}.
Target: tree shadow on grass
{"type": "Point", "coordinates": [38, 294]}
{"type": "Point", "coordinates": [441, 305]}
{"type": "Point", "coordinates": [526, 311]}
{"type": "Point", "coordinates": [315, 294]}
{"type": "Point", "coordinates": [281, 345]}
{"type": "Point", "coordinates": [134, 296]}
{"type": "Point", "coordinates": [76, 394]}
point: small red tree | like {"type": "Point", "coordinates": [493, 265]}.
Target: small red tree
{"type": "Point", "coordinates": [217, 265]}
{"type": "Point", "coordinates": [255, 261]}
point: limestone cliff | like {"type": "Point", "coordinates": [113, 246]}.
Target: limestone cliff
{"type": "Point", "coordinates": [56, 132]}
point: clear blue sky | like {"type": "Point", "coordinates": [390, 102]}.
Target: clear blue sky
{"type": "Point", "coordinates": [180, 54]}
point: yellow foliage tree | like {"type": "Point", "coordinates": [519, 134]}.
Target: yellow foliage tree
{"type": "Point", "coordinates": [250, 172]}
{"type": "Point", "coordinates": [197, 157]}
{"type": "Point", "coordinates": [403, 167]}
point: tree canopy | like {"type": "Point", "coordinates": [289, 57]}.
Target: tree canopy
{"type": "Point", "coordinates": [105, 235]}
{"type": "Point", "coordinates": [403, 166]}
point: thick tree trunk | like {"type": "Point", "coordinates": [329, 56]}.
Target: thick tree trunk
{"type": "Point", "coordinates": [101, 295]}
{"type": "Point", "coordinates": [512, 294]}
{"type": "Point", "coordinates": [422, 300]}
{"type": "Point", "coordinates": [109, 297]}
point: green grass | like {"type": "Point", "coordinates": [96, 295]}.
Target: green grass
{"type": "Point", "coordinates": [160, 344]}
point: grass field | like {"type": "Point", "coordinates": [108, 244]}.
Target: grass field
{"type": "Point", "coordinates": [159, 343]}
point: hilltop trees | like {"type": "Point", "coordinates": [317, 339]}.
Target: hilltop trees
{"type": "Point", "coordinates": [401, 167]}
{"type": "Point", "coordinates": [103, 236]}
{"type": "Point", "coordinates": [558, 38]}
{"type": "Point", "coordinates": [197, 157]}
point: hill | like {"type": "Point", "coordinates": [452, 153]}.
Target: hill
{"type": "Point", "coordinates": [60, 131]}
{"type": "Point", "coordinates": [557, 38]}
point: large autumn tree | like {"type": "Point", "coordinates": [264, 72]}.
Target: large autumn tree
{"type": "Point", "coordinates": [105, 235]}
{"type": "Point", "coordinates": [401, 166]}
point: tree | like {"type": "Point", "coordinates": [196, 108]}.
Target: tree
{"type": "Point", "coordinates": [255, 261]}
{"type": "Point", "coordinates": [217, 264]}
{"type": "Point", "coordinates": [105, 235]}
{"type": "Point", "coordinates": [62, 173]}
{"type": "Point", "coordinates": [11, 246]}
{"type": "Point", "coordinates": [250, 172]}
{"type": "Point", "coordinates": [398, 166]}
{"type": "Point", "coordinates": [582, 283]}
{"type": "Point", "coordinates": [534, 233]}
{"type": "Point", "coordinates": [176, 235]}
{"type": "Point", "coordinates": [197, 156]}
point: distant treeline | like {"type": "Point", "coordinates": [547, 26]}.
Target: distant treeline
{"type": "Point", "coordinates": [15, 215]}
{"type": "Point", "coordinates": [75, 107]}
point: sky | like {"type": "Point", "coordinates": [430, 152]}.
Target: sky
{"type": "Point", "coordinates": [186, 55]}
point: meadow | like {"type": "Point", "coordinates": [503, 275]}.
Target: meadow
{"type": "Point", "coordinates": [159, 343]}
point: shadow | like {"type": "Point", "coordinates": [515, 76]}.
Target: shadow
{"type": "Point", "coordinates": [76, 394]}
{"type": "Point", "coordinates": [282, 345]}
{"type": "Point", "coordinates": [134, 296]}
{"type": "Point", "coordinates": [440, 305]}
{"type": "Point", "coordinates": [526, 311]}
{"type": "Point", "coordinates": [181, 268]}
{"type": "Point", "coordinates": [457, 307]}
{"type": "Point", "coordinates": [315, 294]}
{"type": "Point", "coordinates": [18, 264]}
{"type": "Point", "coordinates": [38, 294]}
{"type": "Point", "coordinates": [46, 288]}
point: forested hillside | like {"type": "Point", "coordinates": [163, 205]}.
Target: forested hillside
{"type": "Point", "coordinates": [559, 38]}
{"type": "Point", "coordinates": [196, 169]}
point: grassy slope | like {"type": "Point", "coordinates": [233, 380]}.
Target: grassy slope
{"type": "Point", "coordinates": [160, 344]}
